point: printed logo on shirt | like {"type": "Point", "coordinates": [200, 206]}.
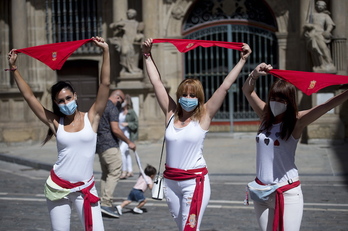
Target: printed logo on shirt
{"type": "Point", "coordinates": [54, 56]}
{"type": "Point", "coordinates": [312, 84]}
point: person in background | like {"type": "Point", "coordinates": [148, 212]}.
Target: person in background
{"type": "Point", "coordinates": [109, 135]}
{"type": "Point", "coordinates": [128, 121]}
{"type": "Point", "coordinates": [276, 142]}
{"type": "Point", "coordinates": [71, 181]}
{"type": "Point", "coordinates": [187, 186]}
{"type": "Point", "coordinates": [137, 193]}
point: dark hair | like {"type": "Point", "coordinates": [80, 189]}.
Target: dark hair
{"type": "Point", "coordinates": [287, 92]}
{"type": "Point", "coordinates": [128, 98]}
{"type": "Point", "coordinates": [55, 89]}
{"type": "Point", "coordinates": [150, 170]}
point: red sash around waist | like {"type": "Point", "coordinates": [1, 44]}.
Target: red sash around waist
{"type": "Point", "coordinates": [279, 204]}
{"type": "Point", "coordinates": [88, 198]}
{"type": "Point", "coordinates": [180, 175]}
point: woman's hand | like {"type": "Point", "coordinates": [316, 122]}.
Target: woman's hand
{"type": "Point", "coordinates": [147, 45]}
{"type": "Point", "coordinates": [100, 42]}
{"type": "Point", "coordinates": [12, 58]}
{"type": "Point", "coordinates": [245, 52]}
{"type": "Point", "coordinates": [261, 69]}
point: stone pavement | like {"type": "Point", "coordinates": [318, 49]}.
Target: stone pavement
{"type": "Point", "coordinates": [231, 163]}
{"type": "Point", "coordinates": [227, 154]}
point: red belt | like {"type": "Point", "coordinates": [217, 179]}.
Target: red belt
{"type": "Point", "coordinates": [88, 198]}
{"type": "Point", "coordinates": [198, 174]}
{"type": "Point", "coordinates": [279, 203]}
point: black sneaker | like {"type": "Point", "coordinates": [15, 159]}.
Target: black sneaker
{"type": "Point", "coordinates": [111, 211]}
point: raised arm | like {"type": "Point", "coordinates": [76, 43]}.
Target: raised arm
{"type": "Point", "coordinates": [46, 116]}
{"type": "Point", "coordinates": [166, 103]}
{"type": "Point", "coordinates": [248, 88]}
{"type": "Point", "coordinates": [214, 103]}
{"type": "Point", "coordinates": [97, 109]}
{"type": "Point", "coordinates": [309, 116]}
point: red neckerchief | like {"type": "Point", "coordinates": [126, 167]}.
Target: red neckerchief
{"type": "Point", "coordinates": [53, 55]}
{"type": "Point", "coordinates": [185, 45]}
{"type": "Point", "coordinates": [309, 82]}
{"type": "Point", "coordinates": [88, 198]}
{"type": "Point", "coordinates": [179, 175]}
{"type": "Point", "coordinates": [278, 221]}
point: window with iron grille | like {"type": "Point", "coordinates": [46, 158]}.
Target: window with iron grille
{"type": "Point", "coordinates": [70, 20]}
{"type": "Point", "coordinates": [248, 21]}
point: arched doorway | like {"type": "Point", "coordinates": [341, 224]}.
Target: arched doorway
{"type": "Point", "coordinates": [249, 21]}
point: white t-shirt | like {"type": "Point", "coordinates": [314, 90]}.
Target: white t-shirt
{"type": "Point", "coordinates": [275, 158]}
{"type": "Point", "coordinates": [141, 183]}
{"type": "Point", "coordinates": [76, 151]}
{"type": "Point", "coordinates": [184, 146]}
{"type": "Point", "coordinates": [122, 119]}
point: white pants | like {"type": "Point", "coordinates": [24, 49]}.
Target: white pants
{"type": "Point", "coordinates": [126, 158]}
{"type": "Point", "coordinates": [179, 195]}
{"type": "Point", "coordinates": [60, 212]}
{"type": "Point", "coordinates": [293, 210]}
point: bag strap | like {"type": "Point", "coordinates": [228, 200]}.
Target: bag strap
{"type": "Point", "coordinates": [159, 167]}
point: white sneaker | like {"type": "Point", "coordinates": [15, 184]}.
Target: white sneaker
{"type": "Point", "coordinates": [119, 209]}
{"type": "Point", "coordinates": [137, 210]}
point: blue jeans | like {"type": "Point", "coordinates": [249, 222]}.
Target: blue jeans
{"type": "Point", "coordinates": [136, 195]}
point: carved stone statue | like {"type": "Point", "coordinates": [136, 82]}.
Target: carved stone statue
{"type": "Point", "coordinates": [318, 34]}
{"type": "Point", "coordinates": [128, 36]}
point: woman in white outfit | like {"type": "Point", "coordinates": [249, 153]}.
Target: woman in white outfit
{"type": "Point", "coordinates": [187, 183]}
{"type": "Point", "coordinates": [276, 141]}
{"type": "Point", "coordinates": [128, 123]}
{"type": "Point", "coordinates": [71, 182]}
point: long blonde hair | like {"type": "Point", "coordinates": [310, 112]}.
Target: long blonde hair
{"type": "Point", "coordinates": [194, 86]}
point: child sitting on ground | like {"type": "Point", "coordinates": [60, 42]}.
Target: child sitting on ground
{"type": "Point", "coordinates": [137, 193]}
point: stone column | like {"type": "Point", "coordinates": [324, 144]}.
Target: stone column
{"type": "Point", "coordinates": [339, 42]}
{"type": "Point", "coordinates": [150, 112]}
{"type": "Point", "coordinates": [340, 49]}
{"type": "Point", "coordinates": [338, 14]}
{"type": "Point", "coordinates": [19, 31]}
{"type": "Point", "coordinates": [120, 8]}
{"type": "Point", "coordinates": [19, 23]}
{"type": "Point", "coordinates": [305, 57]}
{"type": "Point", "coordinates": [4, 46]}
{"type": "Point", "coordinates": [151, 17]}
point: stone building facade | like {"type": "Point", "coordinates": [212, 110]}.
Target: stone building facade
{"type": "Point", "coordinates": [273, 28]}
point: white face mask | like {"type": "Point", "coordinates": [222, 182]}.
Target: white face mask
{"type": "Point", "coordinates": [277, 108]}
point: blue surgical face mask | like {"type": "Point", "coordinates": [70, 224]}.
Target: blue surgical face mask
{"type": "Point", "coordinates": [188, 104]}
{"type": "Point", "coordinates": [69, 108]}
